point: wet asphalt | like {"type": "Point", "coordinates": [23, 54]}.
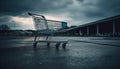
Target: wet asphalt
{"type": "Point", "coordinates": [80, 53]}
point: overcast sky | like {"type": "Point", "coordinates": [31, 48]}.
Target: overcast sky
{"type": "Point", "coordinates": [75, 12]}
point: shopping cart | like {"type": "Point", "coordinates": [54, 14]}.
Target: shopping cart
{"type": "Point", "coordinates": [43, 29]}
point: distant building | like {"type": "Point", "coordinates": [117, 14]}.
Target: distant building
{"type": "Point", "coordinates": [105, 27]}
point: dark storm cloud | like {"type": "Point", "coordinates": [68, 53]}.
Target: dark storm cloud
{"type": "Point", "coordinates": [80, 0]}
{"type": "Point", "coordinates": [20, 8]}
{"type": "Point", "coordinates": [4, 19]}
{"type": "Point", "coordinates": [13, 7]}
{"type": "Point", "coordinates": [89, 7]}
{"type": "Point", "coordinates": [101, 8]}
{"type": "Point", "coordinates": [17, 7]}
{"type": "Point", "coordinates": [91, 10]}
{"type": "Point", "coordinates": [110, 6]}
{"type": "Point", "coordinates": [78, 10]}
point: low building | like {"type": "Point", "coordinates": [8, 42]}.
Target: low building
{"type": "Point", "coordinates": [105, 27]}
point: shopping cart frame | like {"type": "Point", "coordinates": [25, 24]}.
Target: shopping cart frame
{"type": "Point", "coordinates": [47, 33]}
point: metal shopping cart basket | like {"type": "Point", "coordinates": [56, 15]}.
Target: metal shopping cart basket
{"type": "Point", "coordinates": [43, 29]}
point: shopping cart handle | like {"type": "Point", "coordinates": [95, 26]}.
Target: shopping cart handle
{"type": "Point", "coordinates": [35, 14]}
{"type": "Point", "coordinates": [29, 13]}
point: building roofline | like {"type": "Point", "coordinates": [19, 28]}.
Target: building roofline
{"type": "Point", "coordinates": [98, 21]}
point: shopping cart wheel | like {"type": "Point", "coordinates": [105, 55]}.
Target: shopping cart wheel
{"type": "Point", "coordinates": [64, 45]}
{"type": "Point", "coordinates": [35, 44]}
{"type": "Point", "coordinates": [57, 45]}
{"type": "Point", "coordinates": [48, 44]}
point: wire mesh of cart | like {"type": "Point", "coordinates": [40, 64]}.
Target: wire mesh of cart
{"type": "Point", "coordinates": [45, 28]}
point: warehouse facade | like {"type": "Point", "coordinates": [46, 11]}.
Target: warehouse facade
{"type": "Point", "coordinates": [105, 27]}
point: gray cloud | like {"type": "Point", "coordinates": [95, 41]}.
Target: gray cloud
{"type": "Point", "coordinates": [17, 7]}
{"type": "Point", "coordinates": [110, 6]}
{"type": "Point", "coordinates": [92, 10]}
{"type": "Point", "coordinates": [78, 11]}
{"type": "Point", "coordinates": [102, 8]}
{"type": "Point", "coordinates": [4, 19]}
